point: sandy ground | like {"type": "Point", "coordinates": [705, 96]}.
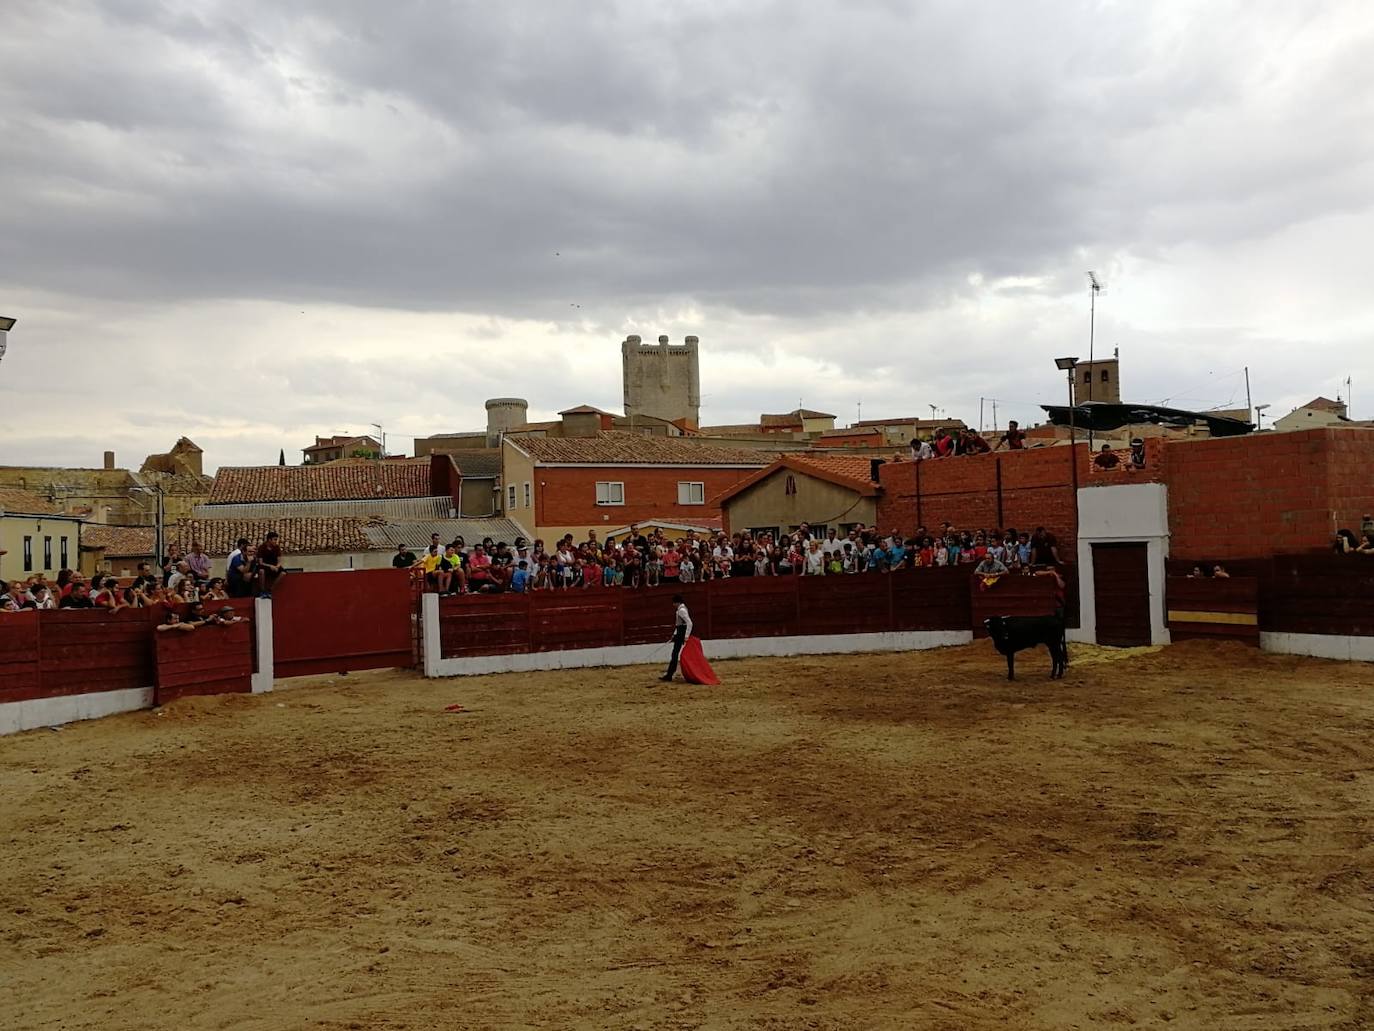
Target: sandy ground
{"type": "Point", "coordinates": [1177, 838]}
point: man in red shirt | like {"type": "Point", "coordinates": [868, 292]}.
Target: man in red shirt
{"type": "Point", "coordinates": [1014, 438]}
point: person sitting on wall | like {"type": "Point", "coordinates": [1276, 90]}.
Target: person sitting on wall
{"type": "Point", "coordinates": [1345, 543]}
{"type": "Point", "coordinates": [452, 564]}
{"type": "Point", "coordinates": [1219, 572]}
{"type": "Point", "coordinates": [480, 576]}
{"type": "Point", "coordinates": [269, 564]}
{"type": "Point", "coordinates": [1137, 453]}
{"type": "Point", "coordinates": [432, 564]}
{"type": "Point", "coordinates": [1105, 458]}
{"type": "Point", "coordinates": [1367, 545]}
{"type": "Point", "coordinates": [404, 558]}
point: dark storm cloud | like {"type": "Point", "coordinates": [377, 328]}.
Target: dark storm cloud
{"type": "Point", "coordinates": [765, 158]}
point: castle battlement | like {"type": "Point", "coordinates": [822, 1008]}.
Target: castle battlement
{"type": "Point", "coordinates": [663, 379]}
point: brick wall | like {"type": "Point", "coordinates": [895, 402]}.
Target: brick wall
{"type": "Point", "coordinates": [567, 496]}
{"type": "Point", "coordinates": [1269, 493]}
{"type": "Point", "coordinates": [1036, 489]}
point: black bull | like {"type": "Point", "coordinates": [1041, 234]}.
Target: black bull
{"type": "Point", "coordinates": [1011, 634]}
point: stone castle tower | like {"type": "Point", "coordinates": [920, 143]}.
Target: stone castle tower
{"type": "Point", "coordinates": [662, 380]}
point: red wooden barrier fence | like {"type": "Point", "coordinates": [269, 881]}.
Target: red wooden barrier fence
{"type": "Point", "coordinates": [766, 606]}
{"type": "Point", "coordinates": [1207, 607]}
{"type": "Point", "coordinates": [208, 660]}
{"type": "Point", "coordinates": [346, 620]}
{"type": "Point", "coordinates": [1011, 596]}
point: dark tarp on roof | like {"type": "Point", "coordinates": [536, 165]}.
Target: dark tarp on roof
{"type": "Point", "coordinates": [1101, 416]}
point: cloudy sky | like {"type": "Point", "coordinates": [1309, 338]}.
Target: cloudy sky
{"type": "Point", "coordinates": [250, 222]}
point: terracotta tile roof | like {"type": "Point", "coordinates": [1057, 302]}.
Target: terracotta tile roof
{"type": "Point", "coordinates": [583, 410]}
{"type": "Point", "coordinates": [853, 431]}
{"type": "Point", "coordinates": [616, 448]}
{"type": "Point", "coordinates": [358, 478]}
{"type": "Point", "coordinates": [1325, 404]}
{"type": "Point", "coordinates": [26, 502]}
{"type": "Point", "coordinates": [780, 420]}
{"type": "Point", "coordinates": [843, 470]}
{"type": "Point", "coordinates": [478, 463]}
{"type": "Point", "coordinates": [850, 467]}
{"type": "Point", "coordinates": [300, 536]}
{"type": "Point", "coordinates": [119, 541]}
{"type": "Point", "coordinates": [919, 424]}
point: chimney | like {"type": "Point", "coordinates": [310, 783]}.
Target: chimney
{"type": "Point", "coordinates": [109, 460]}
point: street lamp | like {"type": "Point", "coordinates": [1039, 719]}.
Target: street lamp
{"type": "Point", "coordinates": [1068, 365]}
{"type": "Point", "coordinates": [1259, 416]}
{"type": "Point", "coordinates": [6, 324]}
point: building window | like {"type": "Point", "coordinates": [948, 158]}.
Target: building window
{"type": "Point", "coordinates": [1087, 375]}
{"type": "Point", "coordinates": [510, 496]}
{"type": "Point", "coordinates": [690, 493]}
{"type": "Point", "coordinates": [791, 486]}
{"type": "Point", "coordinates": [28, 554]}
{"type": "Point", "coordinates": [64, 555]}
{"type": "Point", "coordinates": [527, 495]}
{"type": "Point", "coordinates": [610, 492]}
{"type": "Point", "coordinates": [47, 552]}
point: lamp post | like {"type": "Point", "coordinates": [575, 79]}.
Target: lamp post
{"type": "Point", "coordinates": [1069, 365]}
{"type": "Point", "coordinates": [1259, 416]}
{"type": "Point", "coordinates": [6, 324]}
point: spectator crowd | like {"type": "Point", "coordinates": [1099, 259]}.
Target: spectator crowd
{"type": "Point", "coordinates": [640, 559]}
{"type": "Point", "coordinates": [180, 579]}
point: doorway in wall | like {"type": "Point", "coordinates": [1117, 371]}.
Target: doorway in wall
{"type": "Point", "coordinates": [1121, 588]}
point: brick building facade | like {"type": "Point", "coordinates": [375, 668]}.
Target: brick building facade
{"type": "Point", "coordinates": [554, 486]}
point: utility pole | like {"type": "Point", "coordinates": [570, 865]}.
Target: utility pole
{"type": "Point", "coordinates": [980, 416]}
{"type": "Point", "coordinates": [1249, 404]}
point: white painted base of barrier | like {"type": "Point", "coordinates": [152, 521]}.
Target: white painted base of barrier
{"type": "Point", "coordinates": [1321, 646]}
{"type": "Point", "coordinates": [262, 642]}
{"type": "Point", "coordinates": [53, 712]}
{"type": "Point", "coordinates": [646, 654]}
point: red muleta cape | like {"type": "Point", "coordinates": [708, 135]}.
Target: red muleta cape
{"type": "Point", "coordinates": [695, 668]}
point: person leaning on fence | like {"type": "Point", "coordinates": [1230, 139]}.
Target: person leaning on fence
{"type": "Point", "coordinates": [682, 629]}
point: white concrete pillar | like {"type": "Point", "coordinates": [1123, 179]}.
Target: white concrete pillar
{"type": "Point", "coordinates": [263, 674]}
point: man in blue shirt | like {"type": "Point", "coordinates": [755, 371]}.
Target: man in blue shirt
{"type": "Point", "coordinates": [520, 579]}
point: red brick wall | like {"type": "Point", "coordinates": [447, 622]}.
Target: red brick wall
{"type": "Point", "coordinates": [1037, 490]}
{"type": "Point", "coordinates": [567, 496]}
{"type": "Point", "coordinates": [1264, 494]}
